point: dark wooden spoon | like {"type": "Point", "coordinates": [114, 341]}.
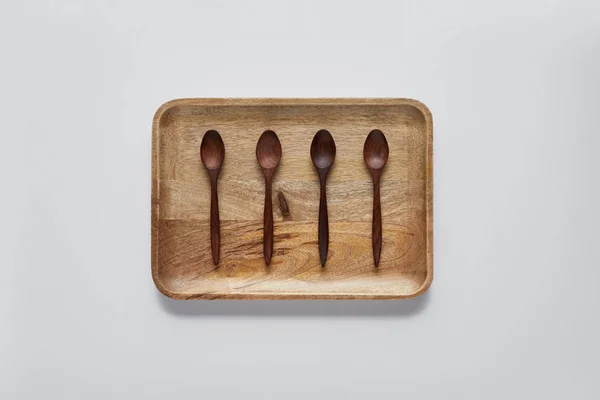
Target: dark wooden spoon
{"type": "Point", "coordinates": [212, 152]}
{"type": "Point", "coordinates": [322, 152]}
{"type": "Point", "coordinates": [268, 154]}
{"type": "Point", "coordinates": [376, 152]}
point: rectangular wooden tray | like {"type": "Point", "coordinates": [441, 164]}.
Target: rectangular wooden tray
{"type": "Point", "coordinates": [182, 266]}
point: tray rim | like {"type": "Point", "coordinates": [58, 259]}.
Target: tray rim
{"type": "Point", "coordinates": [272, 101]}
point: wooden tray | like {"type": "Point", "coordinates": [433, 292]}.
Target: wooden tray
{"type": "Point", "coordinates": [182, 266]}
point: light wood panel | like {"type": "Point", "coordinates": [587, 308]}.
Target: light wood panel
{"type": "Point", "coordinates": [181, 257]}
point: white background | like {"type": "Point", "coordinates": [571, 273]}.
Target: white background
{"type": "Point", "coordinates": [513, 311]}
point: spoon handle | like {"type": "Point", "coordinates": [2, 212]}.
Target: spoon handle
{"type": "Point", "coordinates": [376, 236]}
{"type": "Point", "coordinates": [215, 231]}
{"type": "Point", "coordinates": [323, 225]}
{"type": "Point", "coordinates": [268, 221]}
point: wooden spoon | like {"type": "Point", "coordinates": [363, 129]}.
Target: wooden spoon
{"type": "Point", "coordinates": [268, 154]}
{"type": "Point", "coordinates": [212, 152]}
{"type": "Point", "coordinates": [322, 152]}
{"type": "Point", "coordinates": [376, 152]}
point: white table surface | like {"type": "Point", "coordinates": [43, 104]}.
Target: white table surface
{"type": "Point", "coordinates": [513, 311]}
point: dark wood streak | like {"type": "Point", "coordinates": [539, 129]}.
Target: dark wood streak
{"type": "Point", "coordinates": [283, 205]}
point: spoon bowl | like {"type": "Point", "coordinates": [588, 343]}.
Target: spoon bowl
{"type": "Point", "coordinates": [322, 149]}
{"type": "Point", "coordinates": [268, 150]}
{"type": "Point", "coordinates": [212, 150]}
{"type": "Point", "coordinates": [376, 150]}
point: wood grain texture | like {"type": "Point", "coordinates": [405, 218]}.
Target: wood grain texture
{"type": "Point", "coordinates": [182, 267]}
